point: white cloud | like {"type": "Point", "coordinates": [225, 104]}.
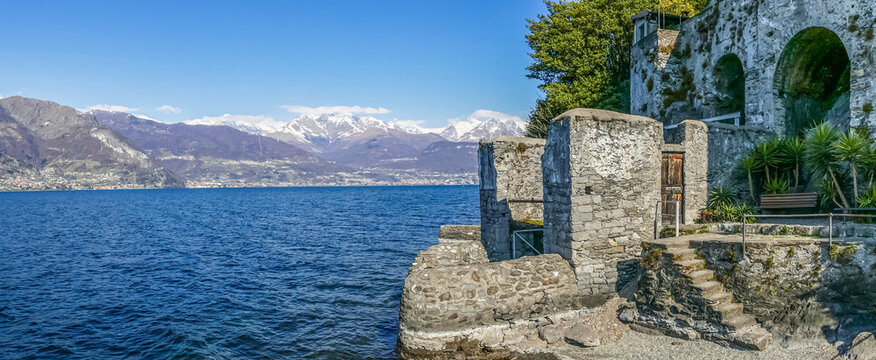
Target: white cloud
{"type": "Point", "coordinates": [107, 107]}
{"type": "Point", "coordinates": [482, 114]}
{"type": "Point", "coordinates": [321, 110]}
{"type": "Point", "coordinates": [169, 109]}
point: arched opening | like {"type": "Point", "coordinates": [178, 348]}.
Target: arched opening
{"type": "Point", "coordinates": [729, 85]}
{"type": "Point", "coordinates": [812, 80]}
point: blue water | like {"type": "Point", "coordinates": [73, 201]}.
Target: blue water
{"type": "Point", "coordinates": [214, 273]}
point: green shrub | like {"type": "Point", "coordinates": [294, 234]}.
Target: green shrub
{"type": "Point", "coordinates": [720, 196]}
{"type": "Point", "coordinates": [776, 186]}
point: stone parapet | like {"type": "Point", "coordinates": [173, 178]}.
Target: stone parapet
{"type": "Point", "coordinates": [510, 189]}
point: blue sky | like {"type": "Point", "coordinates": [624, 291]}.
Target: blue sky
{"type": "Point", "coordinates": [419, 60]}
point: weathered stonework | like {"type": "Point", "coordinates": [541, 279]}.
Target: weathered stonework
{"type": "Point", "coordinates": [510, 189]}
{"type": "Point", "coordinates": [804, 291]}
{"type": "Point", "coordinates": [757, 32]}
{"type": "Point", "coordinates": [601, 183]}
{"type": "Point", "coordinates": [677, 75]}
{"type": "Point", "coordinates": [691, 138]}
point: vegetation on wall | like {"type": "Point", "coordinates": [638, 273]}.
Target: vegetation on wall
{"type": "Point", "coordinates": [581, 54]}
{"type": "Point", "coordinates": [839, 166]}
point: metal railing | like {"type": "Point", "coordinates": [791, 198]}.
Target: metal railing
{"type": "Point", "coordinates": [829, 217]}
{"type": "Point", "coordinates": [658, 217]}
{"type": "Point", "coordinates": [736, 117]}
{"type": "Point", "coordinates": [516, 234]}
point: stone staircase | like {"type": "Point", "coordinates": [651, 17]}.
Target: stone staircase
{"type": "Point", "coordinates": [717, 306]}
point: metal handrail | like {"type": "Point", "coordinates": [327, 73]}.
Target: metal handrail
{"type": "Point", "coordinates": [658, 216]}
{"type": "Point", "coordinates": [829, 226]}
{"type": "Point", "coordinates": [737, 116]}
{"type": "Point", "coordinates": [515, 234]}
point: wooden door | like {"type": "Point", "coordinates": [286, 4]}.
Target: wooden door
{"type": "Point", "coordinates": [672, 186]}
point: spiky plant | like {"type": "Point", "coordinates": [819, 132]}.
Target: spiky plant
{"type": "Point", "coordinates": [868, 164]}
{"type": "Point", "coordinates": [776, 186]}
{"type": "Point", "coordinates": [749, 165]}
{"type": "Point", "coordinates": [719, 196]}
{"type": "Point", "coordinates": [852, 148]}
{"type": "Point", "coordinates": [791, 153]}
{"type": "Point", "coordinates": [767, 155]}
{"type": "Point", "coordinates": [820, 155]}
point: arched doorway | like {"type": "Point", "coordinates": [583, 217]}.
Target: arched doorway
{"type": "Point", "coordinates": [812, 81]}
{"type": "Point", "coordinates": [729, 85]}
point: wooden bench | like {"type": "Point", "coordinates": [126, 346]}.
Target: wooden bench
{"type": "Point", "coordinates": [789, 201]}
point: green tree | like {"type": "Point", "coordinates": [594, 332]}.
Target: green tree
{"type": "Point", "coordinates": [853, 148]}
{"type": "Point", "coordinates": [821, 156]}
{"type": "Point", "coordinates": [749, 165]}
{"type": "Point", "coordinates": [581, 52]}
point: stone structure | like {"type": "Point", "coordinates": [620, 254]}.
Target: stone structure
{"type": "Point", "coordinates": [691, 138]}
{"type": "Point", "coordinates": [805, 291]}
{"type": "Point", "coordinates": [601, 184]}
{"type": "Point", "coordinates": [757, 58]}
{"type": "Point", "coordinates": [456, 303]}
{"type": "Point", "coordinates": [510, 189]}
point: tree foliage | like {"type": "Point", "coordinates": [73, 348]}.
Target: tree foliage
{"type": "Point", "coordinates": [581, 52]}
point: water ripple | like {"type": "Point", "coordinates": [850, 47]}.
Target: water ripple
{"type": "Point", "coordinates": [213, 273]}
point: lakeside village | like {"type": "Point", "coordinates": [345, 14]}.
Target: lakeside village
{"type": "Point", "coordinates": [750, 228]}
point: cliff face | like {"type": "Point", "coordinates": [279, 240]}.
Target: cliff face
{"type": "Point", "coordinates": [44, 145]}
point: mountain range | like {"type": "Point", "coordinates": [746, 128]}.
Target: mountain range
{"type": "Point", "coordinates": [44, 145]}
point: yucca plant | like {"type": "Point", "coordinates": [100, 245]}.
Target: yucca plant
{"type": "Point", "coordinates": [868, 198]}
{"type": "Point", "coordinates": [720, 196]}
{"type": "Point", "coordinates": [820, 155]}
{"type": "Point", "coordinates": [791, 153]}
{"type": "Point", "coordinates": [776, 186]}
{"type": "Point", "coordinates": [852, 148]}
{"type": "Point", "coordinates": [767, 156]}
{"type": "Point", "coordinates": [749, 165]}
{"type": "Point", "coordinates": [868, 164]}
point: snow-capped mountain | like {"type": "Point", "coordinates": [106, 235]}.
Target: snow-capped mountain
{"type": "Point", "coordinates": [258, 125]}
{"type": "Point", "coordinates": [473, 129]}
{"type": "Point", "coordinates": [316, 131]}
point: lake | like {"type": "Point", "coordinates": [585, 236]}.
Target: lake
{"type": "Point", "coordinates": [214, 273]}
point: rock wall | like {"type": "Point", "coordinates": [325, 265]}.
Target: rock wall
{"type": "Point", "coordinates": [510, 189]}
{"type": "Point", "coordinates": [802, 291]}
{"type": "Point", "coordinates": [691, 138]}
{"type": "Point", "coordinates": [456, 304]}
{"type": "Point", "coordinates": [601, 185]}
{"type": "Point", "coordinates": [757, 32]}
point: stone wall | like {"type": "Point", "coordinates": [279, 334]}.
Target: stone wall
{"type": "Point", "coordinates": [460, 297]}
{"type": "Point", "coordinates": [601, 185]}
{"type": "Point", "coordinates": [457, 308]}
{"type": "Point", "coordinates": [691, 138]}
{"type": "Point", "coordinates": [756, 32]}
{"type": "Point", "coordinates": [728, 145]}
{"type": "Point", "coordinates": [804, 291]}
{"type": "Point", "coordinates": [510, 189]}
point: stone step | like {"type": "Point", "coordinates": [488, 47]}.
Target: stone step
{"type": "Point", "coordinates": [702, 276]}
{"type": "Point", "coordinates": [753, 338]}
{"type": "Point", "coordinates": [669, 244]}
{"type": "Point", "coordinates": [683, 254]}
{"type": "Point", "coordinates": [729, 310]}
{"type": "Point", "coordinates": [709, 287]}
{"type": "Point", "coordinates": [689, 266]}
{"type": "Point", "coordinates": [739, 322]}
{"type": "Point", "coordinates": [719, 297]}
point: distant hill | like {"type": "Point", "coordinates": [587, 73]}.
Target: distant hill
{"type": "Point", "coordinates": [44, 145]}
{"type": "Point", "coordinates": [201, 153]}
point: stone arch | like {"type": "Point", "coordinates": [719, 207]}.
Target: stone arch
{"type": "Point", "coordinates": [812, 81]}
{"type": "Point", "coordinates": [729, 80]}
